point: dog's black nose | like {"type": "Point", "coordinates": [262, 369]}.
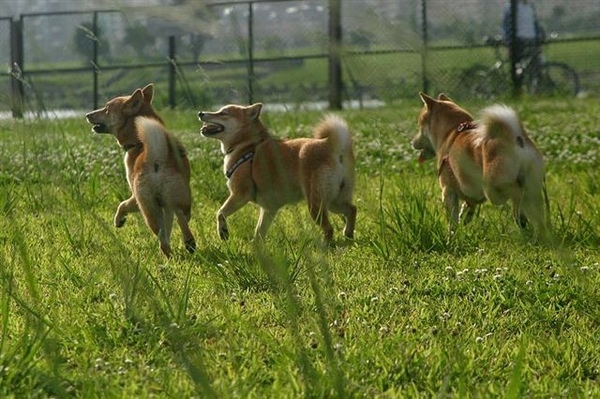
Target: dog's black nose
{"type": "Point", "coordinates": [200, 114]}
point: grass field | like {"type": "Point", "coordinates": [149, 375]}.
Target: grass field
{"type": "Point", "coordinates": [402, 311]}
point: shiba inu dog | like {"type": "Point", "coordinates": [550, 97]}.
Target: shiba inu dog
{"type": "Point", "coordinates": [489, 159]}
{"type": "Point", "coordinates": [272, 172]}
{"type": "Point", "coordinates": [158, 170]}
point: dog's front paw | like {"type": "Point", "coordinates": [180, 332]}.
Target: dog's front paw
{"type": "Point", "coordinates": [222, 228]}
{"type": "Point", "coordinates": [223, 232]}
{"type": "Point", "coordinates": [119, 220]}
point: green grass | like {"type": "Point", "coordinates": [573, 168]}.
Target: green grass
{"type": "Point", "coordinates": [88, 310]}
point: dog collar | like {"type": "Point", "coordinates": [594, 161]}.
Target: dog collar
{"type": "Point", "coordinates": [468, 125]}
{"type": "Point", "coordinates": [246, 157]}
{"type": "Point", "coordinates": [128, 147]}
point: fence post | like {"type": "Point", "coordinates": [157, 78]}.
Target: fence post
{"type": "Point", "coordinates": [172, 72]}
{"type": "Point", "coordinates": [250, 53]}
{"type": "Point", "coordinates": [514, 48]}
{"type": "Point", "coordinates": [425, 34]}
{"type": "Point", "coordinates": [95, 58]}
{"type": "Point", "coordinates": [335, 63]}
{"type": "Point", "coordinates": [16, 55]}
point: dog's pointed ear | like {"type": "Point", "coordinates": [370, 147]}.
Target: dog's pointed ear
{"type": "Point", "coordinates": [254, 110]}
{"type": "Point", "coordinates": [443, 97]}
{"type": "Point", "coordinates": [148, 92]}
{"type": "Point", "coordinates": [134, 103]}
{"type": "Point", "coordinates": [428, 101]}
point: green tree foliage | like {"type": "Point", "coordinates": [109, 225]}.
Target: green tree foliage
{"type": "Point", "coordinates": [198, 39]}
{"type": "Point", "coordinates": [361, 39]}
{"type": "Point", "coordinates": [138, 37]}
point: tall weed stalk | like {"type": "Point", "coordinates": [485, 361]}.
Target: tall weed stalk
{"type": "Point", "coordinates": [277, 267]}
{"type": "Point", "coordinates": [148, 304]}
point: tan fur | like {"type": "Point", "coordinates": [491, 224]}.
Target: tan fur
{"type": "Point", "coordinates": [281, 172]}
{"type": "Point", "coordinates": [491, 159]}
{"type": "Point", "coordinates": [158, 170]}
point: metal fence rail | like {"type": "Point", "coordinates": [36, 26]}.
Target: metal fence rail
{"type": "Point", "coordinates": [283, 51]}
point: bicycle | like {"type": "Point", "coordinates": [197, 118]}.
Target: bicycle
{"type": "Point", "coordinates": [538, 76]}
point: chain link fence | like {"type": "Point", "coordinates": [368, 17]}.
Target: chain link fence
{"type": "Point", "coordinates": [277, 51]}
{"type": "Point", "coordinates": [5, 81]}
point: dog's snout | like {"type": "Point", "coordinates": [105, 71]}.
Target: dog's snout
{"type": "Point", "coordinates": [200, 114]}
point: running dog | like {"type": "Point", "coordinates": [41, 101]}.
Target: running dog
{"type": "Point", "coordinates": [272, 172]}
{"type": "Point", "coordinates": [489, 159]}
{"type": "Point", "coordinates": [158, 170]}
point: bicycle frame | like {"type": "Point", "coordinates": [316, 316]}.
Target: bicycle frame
{"type": "Point", "coordinates": [537, 76]}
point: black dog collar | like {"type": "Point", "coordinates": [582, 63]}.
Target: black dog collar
{"type": "Point", "coordinates": [127, 147]}
{"type": "Point", "coordinates": [246, 157]}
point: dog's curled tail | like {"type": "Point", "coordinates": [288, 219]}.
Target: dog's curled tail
{"type": "Point", "coordinates": [153, 135]}
{"type": "Point", "coordinates": [335, 129]}
{"type": "Point", "coordinates": [501, 122]}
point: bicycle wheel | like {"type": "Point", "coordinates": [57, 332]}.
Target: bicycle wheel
{"type": "Point", "coordinates": [556, 79]}
{"type": "Point", "coordinates": [482, 83]}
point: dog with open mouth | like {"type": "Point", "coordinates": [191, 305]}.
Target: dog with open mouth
{"type": "Point", "coordinates": [273, 172]}
{"type": "Point", "coordinates": [490, 159]}
{"type": "Point", "coordinates": [158, 169]}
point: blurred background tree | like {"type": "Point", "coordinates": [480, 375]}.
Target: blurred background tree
{"type": "Point", "coordinates": [84, 38]}
{"type": "Point", "coordinates": [138, 38]}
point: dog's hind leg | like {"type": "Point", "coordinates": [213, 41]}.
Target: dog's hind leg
{"type": "Point", "coordinates": [348, 210]}
{"type": "Point", "coordinates": [128, 206]}
{"type": "Point", "coordinates": [350, 221]}
{"type": "Point", "coordinates": [164, 234]}
{"type": "Point", "coordinates": [265, 219]}
{"type": "Point", "coordinates": [155, 220]}
{"type": "Point", "coordinates": [520, 217]}
{"type": "Point", "coordinates": [516, 196]}
{"type": "Point", "coordinates": [532, 206]}
{"type": "Point", "coordinates": [183, 219]}
{"type": "Point", "coordinates": [498, 195]}
{"type": "Point", "coordinates": [450, 199]}
{"type": "Point", "coordinates": [318, 211]}
{"type": "Point", "coordinates": [467, 211]}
